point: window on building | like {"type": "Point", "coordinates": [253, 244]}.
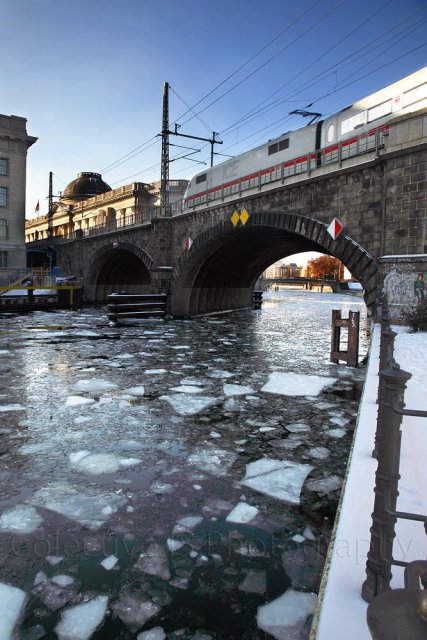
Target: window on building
{"type": "Point", "coordinates": [201, 178]}
{"type": "Point", "coordinates": [3, 167]}
{"type": "Point", "coordinates": [278, 146]}
{"type": "Point", "coordinates": [3, 259]}
{"type": "Point", "coordinates": [3, 228]}
{"type": "Point", "coordinates": [3, 196]}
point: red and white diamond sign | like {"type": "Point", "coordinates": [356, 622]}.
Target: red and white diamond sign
{"type": "Point", "coordinates": [335, 228]}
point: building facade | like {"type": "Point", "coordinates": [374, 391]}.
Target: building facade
{"type": "Point", "coordinates": [88, 203]}
{"type": "Point", "coordinates": [14, 144]}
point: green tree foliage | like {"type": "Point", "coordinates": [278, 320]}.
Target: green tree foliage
{"type": "Point", "coordinates": [417, 317]}
{"type": "Point", "coordinates": [325, 267]}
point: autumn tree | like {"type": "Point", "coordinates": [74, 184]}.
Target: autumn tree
{"type": "Point", "coordinates": [325, 267]}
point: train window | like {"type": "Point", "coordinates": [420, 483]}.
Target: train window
{"type": "Point", "coordinates": [379, 111]}
{"type": "Point", "coordinates": [278, 146]}
{"type": "Point", "coordinates": [414, 95]}
{"type": "Point", "coordinates": [351, 123]}
{"type": "Point", "coordinates": [331, 133]}
{"type": "Point", "coordinates": [201, 178]}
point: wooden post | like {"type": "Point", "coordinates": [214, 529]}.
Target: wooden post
{"type": "Point", "coordinates": [351, 355]}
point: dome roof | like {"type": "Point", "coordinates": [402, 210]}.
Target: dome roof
{"type": "Point", "coordinates": [86, 185]}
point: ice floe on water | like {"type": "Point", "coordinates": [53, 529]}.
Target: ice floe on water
{"type": "Point", "coordinates": [97, 463]}
{"type": "Point", "coordinates": [109, 562]}
{"type": "Point", "coordinates": [236, 390]}
{"type": "Point", "coordinates": [20, 519]}
{"type": "Point", "coordinates": [187, 388]}
{"type": "Point", "coordinates": [154, 561]}
{"type": "Point", "coordinates": [76, 401]}
{"type": "Point", "coordinates": [135, 391]}
{"type": "Point", "coordinates": [296, 384]}
{"type": "Point", "coordinates": [135, 609]}
{"type": "Point", "coordinates": [319, 453]}
{"type": "Point", "coordinates": [12, 601]}
{"type": "Point", "coordinates": [323, 486]}
{"type": "Point", "coordinates": [11, 407]}
{"type": "Point", "coordinates": [280, 479]}
{"type": "Point", "coordinates": [298, 427]}
{"type": "Point", "coordinates": [242, 513]}
{"type": "Point", "coordinates": [94, 385]}
{"type": "Point", "coordinates": [79, 622]}
{"type": "Point", "coordinates": [212, 460]}
{"type": "Point", "coordinates": [336, 433]}
{"type": "Point", "coordinates": [187, 405]}
{"type": "Point", "coordinates": [156, 633]}
{"type": "Point", "coordinates": [90, 507]}
{"type": "Point", "coordinates": [285, 617]}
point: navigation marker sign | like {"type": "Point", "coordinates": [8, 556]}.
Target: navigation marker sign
{"type": "Point", "coordinates": [335, 228]}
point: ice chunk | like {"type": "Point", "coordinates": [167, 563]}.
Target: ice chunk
{"type": "Point", "coordinates": [319, 453]}
{"type": "Point", "coordinates": [12, 601]}
{"type": "Point", "coordinates": [53, 596]}
{"type": "Point", "coordinates": [156, 633]}
{"type": "Point", "coordinates": [94, 385]}
{"type": "Point", "coordinates": [222, 375]}
{"type": "Point", "coordinates": [298, 427]}
{"type": "Point", "coordinates": [187, 405]}
{"type": "Point", "coordinates": [212, 460]}
{"type": "Point", "coordinates": [340, 421]}
{"type": "Point", "coordinates": [79, 622]}
{"type": "Point", "coordinates": [187, 388]}
{"type": "Point", "coordinates": [285, 617]}
{"type": "Point", "coordinates": [62, 580]}
{"type": "Point", "coordinates": [325, 485]}
{"type": "Point", "coordinates": [336, 433]}
{"type": "Point", "coordinates": [215, 434]}
{"type": "Point", "coordinates": [298, 538]}
{"type": "Point", "coordinates": [54, 560]}
{"type": "Point", "coordinates": [40, 577]}
{"type": "Point", "coordinates": [154, 561]}
{"type": "Point", "coordinates": [89, 507]}
{"type": "Point", "coordinates": [11, 407]}
{"type": "Point", "coordinates": [188, 523]}
{"type": "Point", "coordinates": [281, 479]}
{"type": "Point", "coordinates": [236, 390]}
{"type": "Point", "coordinates": [155, 372]}
{"type": "Point", "coordinates": [109, 563]}
{"type": "Point", "coordinates": [174, 545]}
{"type": "Point", "coordinates": [135, 391]}
{"type": "Point", "coordinates": [266, 429]}
{"type": "Point", "coordinates": [255, 581]}
{"type": "Point", "coordinates": [242, 513]}
{"type": "Point", "coordinates": [162, 487]}
{"type": "Point", "coordinates": [76, 401]}
{"type": "Point", "coordinates": [130, 445]}
{"type": "Point", "coordinates": [96, 463]}
{"type": "Point", "coordinates": [296, 384]}
{"type": "Point", "coordinates": [134, 611]}
{"type": "Point", "coordinates": [20, 519]}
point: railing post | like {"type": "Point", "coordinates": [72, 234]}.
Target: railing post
{"type": "Point", "coordinates": [380, 555]}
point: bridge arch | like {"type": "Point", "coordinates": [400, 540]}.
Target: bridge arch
{"type": "Point", "coordinates": [118, 266]}
{"type": "Point", "coordinates": [220, 269]}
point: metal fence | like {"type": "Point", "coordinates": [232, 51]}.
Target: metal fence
{"type": "Point", "coordinates": [391, 409]}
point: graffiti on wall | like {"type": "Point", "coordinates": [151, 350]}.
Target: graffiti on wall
{"type": "Point", "coordinates": [404, 289]}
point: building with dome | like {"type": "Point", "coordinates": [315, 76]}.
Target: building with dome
{"type": "Point", "coordinates": [89, 205]}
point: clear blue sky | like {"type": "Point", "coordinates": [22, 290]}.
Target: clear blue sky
{"type": "Point", "coordinates": [88, 74]}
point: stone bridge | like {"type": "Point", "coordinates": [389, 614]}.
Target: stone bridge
{"type": "Point", "coordinates": [209, 261]}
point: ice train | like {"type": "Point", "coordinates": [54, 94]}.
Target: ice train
{"type": "Point", "coordinates": [354, 130]}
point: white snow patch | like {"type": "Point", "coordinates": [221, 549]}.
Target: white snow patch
{"type": "Point", "coordinates": [285, 617]}
{"type": "Point", "coordinates": [242, 513]}
{"type": "Point", "coordinates": [79, 622]}
{"type": "Point", "coordinates": [187, 405]}
{"type": "Point", "coordinates": [296, 384]}
{"type": "Point", "coordinates": [280, 479]}
{"type": "Point", "coordinates": [236, 390]}
{"type": "Point", "coordinates": [20, 519]}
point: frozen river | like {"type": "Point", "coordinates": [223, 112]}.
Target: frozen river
{"type": "Point", "coordinates": [171, 479]}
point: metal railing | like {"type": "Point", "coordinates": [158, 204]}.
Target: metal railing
{"type": "Point", "coordinates": [391, 409]}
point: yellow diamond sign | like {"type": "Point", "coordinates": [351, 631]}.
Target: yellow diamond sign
{"type": "Point", "coordinates": [244, 216]}
{"type": "Point", "coordinates": [235, 218]}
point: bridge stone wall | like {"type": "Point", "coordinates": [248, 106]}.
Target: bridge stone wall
{"type": "Point", "coordinates": [381, 199]}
